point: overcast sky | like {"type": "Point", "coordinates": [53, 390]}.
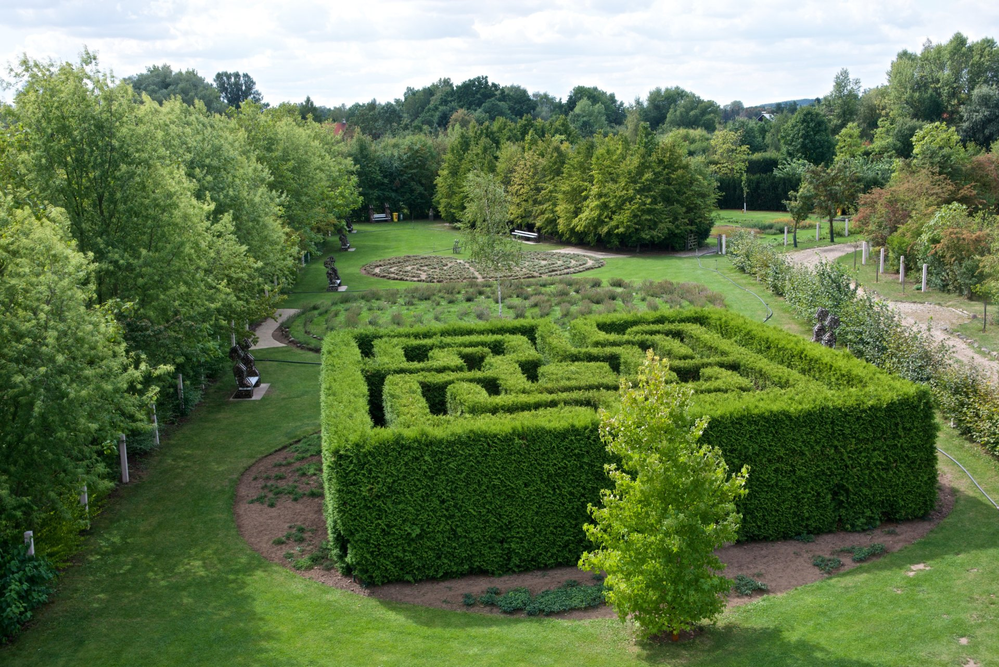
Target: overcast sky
{"type": "Point", "coordinates": [351, 52]}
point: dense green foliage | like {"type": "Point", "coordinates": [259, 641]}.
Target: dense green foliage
{"type": "Point", "coordinates": [656, 531]}
{"type": "Point", "coordinates": [136, 235]}
{"type": "Point", "coordinates": [428, 476]}
{"type": "Point", "coordinates": [68, 387]}
{"type": "Point", "coordinates": [25, 583]}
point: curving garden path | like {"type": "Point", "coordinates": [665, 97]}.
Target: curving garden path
{"type": "Point", "coordinates": [266, 329]}
{"type": "Point", "coordinates": [937, 320]}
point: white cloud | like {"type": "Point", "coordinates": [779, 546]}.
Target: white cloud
{"type": "Point", "coordinates": [339, 52]}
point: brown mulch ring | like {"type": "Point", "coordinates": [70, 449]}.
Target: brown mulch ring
{"type": "Point", "coordinates": [298, 527]}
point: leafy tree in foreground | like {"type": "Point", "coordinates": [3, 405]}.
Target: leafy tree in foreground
{"type": "Point", "coordinates": [672, 505]}
{"type": "Point", "coordinates": [67, 386]}
{"type": "Point", "coordinates": [487, 234]}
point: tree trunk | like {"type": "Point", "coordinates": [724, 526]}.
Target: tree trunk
{"type": "Point", "coordinates": [794, 235]}
{"type": "Point", "coordinates": [832, 236]}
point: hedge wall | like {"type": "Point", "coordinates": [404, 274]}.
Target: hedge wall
{"type": "Point", "coordinates": [764, 192]}
{"type": "Point", "coordinates": [489, 452]}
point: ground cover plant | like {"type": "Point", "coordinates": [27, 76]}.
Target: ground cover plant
{"type": "Point", "coordinates": [419, 443]}
{"type": "Point", "coordinates": [561, 299]}
{"type": "Point", "coordinates": [570, 595]}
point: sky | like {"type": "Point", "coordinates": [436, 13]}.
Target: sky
{"type": "Point", "coordinates": [339, 52]}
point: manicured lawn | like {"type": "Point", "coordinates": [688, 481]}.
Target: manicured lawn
{"type": "Point", "coordinates": [165, 579]}
{"type": "Point", "coordinates": [729, 221]}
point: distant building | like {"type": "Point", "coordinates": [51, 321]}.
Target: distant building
{"type": "Point", "coordinates": [765, 115]}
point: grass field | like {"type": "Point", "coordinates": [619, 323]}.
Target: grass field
{"type": "Point", "coordinates": [165, 578]}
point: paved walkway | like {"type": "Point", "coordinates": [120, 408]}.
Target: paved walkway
{"type": "Point", "coordinates": [265, 332]}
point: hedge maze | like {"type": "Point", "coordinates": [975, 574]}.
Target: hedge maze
{"type": "Point", "coordinates": [474, 447]}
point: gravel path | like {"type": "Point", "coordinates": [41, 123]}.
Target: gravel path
{"type": "Point", "coordinates": [265, 332]}
{"type": "Point", "coordinates": [937, 320]}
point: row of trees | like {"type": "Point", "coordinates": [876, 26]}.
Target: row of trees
{"type": "Point", "coordinates": [617, 190]}
{"type": "Point", "coordinates": [133, 237]}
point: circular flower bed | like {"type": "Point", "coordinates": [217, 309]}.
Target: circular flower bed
{"type": "Point", "coordinates": [437, 269]}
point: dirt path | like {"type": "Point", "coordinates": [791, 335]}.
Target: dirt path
{"type": "Point", "coordinates": [282, 530]}
{"type": "Point", "coordinates": [937, 320]}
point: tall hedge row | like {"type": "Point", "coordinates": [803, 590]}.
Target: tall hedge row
{"type": "Point", "coordinates": [764, 192]}
{"type": "Point", "coordinates": [490, 452]}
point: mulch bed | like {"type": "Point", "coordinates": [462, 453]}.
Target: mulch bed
{"type": "Point", "coordinates": [781, 565]}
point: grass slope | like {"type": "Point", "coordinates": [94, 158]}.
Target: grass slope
{"type": "Point", "coordinates": [165, 578]}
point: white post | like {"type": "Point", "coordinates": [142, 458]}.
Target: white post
{"type": "Point", "coordinates": [924, 277]}
{"type": "Point", "coordinates": [901, 269]}
{"type": "Point", "coordinates": [232, 333]}
{"type": "Point", "coordinates": [817, 230]}
{"type": "Point", "coordinates": [123, 456]}
{"type": "Point", "coordinates": [785, 234]}
{"type": "Point", "coordinates": [29, 539]}
{"type": "Point", "coordinates": [881, 267]}
{"type": "Point", "coordinates": [303, 259]}
{"type": "Point", "coordinates": [180, 389]}
{"type": "Point", "coordinates": [85, 500]}
{"type": "Point", "coordinates": [723, 244]}
{"type": "Point", "coordinates": [847, 232]}
{"type": "Point", "coordinates": [156, 427]}
{"type": "Point", "coordinates": [864, 248]}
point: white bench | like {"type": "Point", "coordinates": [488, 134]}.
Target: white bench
{"type": "Point", "coordinates": [527, 236]}
{"type": "Point", "coordinates": [381, 217]}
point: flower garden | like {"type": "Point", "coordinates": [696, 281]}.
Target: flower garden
{"type": "Point", "coordinates": [443, 269]}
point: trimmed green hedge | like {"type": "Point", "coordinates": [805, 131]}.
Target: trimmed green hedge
{"type": "Point", "coordinates": [489, 453]}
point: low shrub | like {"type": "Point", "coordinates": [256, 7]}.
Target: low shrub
{"type": "Point", "coordinates": [25, 584]}
{"type": "Point", "coordinates": [746, 586]}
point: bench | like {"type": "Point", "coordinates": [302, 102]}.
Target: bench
{"type": "Point", "coordinates": [527, 236]}
{"type": "Point", "coordinates": [379, 217]}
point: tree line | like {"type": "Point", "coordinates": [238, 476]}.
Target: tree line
{"type": "Point", "coordinates": [135, 238]}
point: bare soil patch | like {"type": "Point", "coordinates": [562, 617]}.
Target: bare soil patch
{"type": "Point", "coordinates": [781, 565]}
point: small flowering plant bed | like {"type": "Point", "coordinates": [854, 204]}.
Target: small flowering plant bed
{"type": "Point", "coordinates": [442, 269]}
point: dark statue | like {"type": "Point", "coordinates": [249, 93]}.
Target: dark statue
{"type": "Point", "coordinates": [820, 329]}
{"type": "Point", "coordinates": [344, 243]}
{"type": "Point", "coordinates": [332, 275]}
{"type": "Point", "coordinates": [825, 331]}
{"type": "Point", "coordinates": [244, 369]}
{"type": "Point", "coordinates": [350, 227]}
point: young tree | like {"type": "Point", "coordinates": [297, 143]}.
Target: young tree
{"type": "Point", "coordinates": [729, 157]}
{"type": "Point", "coordinates": [834, 189]}
{"type": "Point", "coordinates": [672, 505]}
{"type": "Point", "coordinates": [800, 203]}
{"type": "Point", "coordinates": [487, 233]}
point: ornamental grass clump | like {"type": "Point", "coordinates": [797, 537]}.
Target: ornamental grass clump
{"type": "Point", "coordinates": [672, 505]}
